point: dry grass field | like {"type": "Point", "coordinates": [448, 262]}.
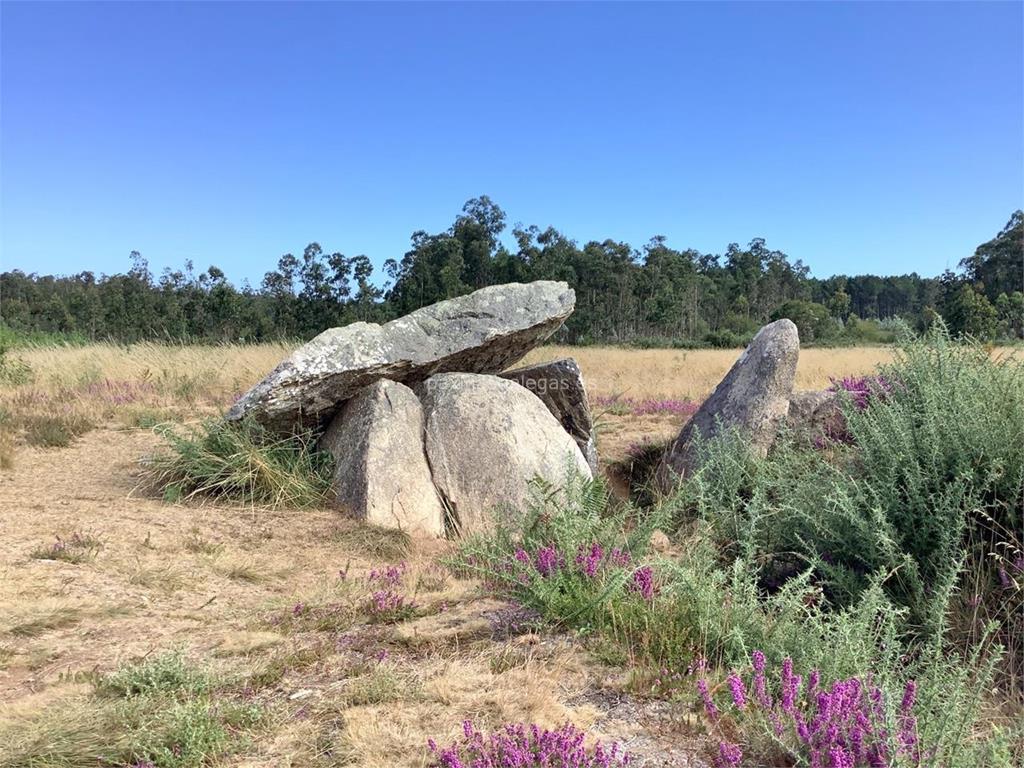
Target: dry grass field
{"type": "Point", "coordinates": [182, 371]}
{"type": "Point", "coordinates": [96, 571]}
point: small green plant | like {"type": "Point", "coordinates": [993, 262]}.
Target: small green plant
{"type": "Point", "coordinates": [159, 712]}
{"type": "Point", "coordinates": [76, 548]}
{"type": "Point", "coordinates": [380, 685]}
{"type": "Point", "coordinates": [241, 462]}
{"type": "Point", "coordinates": [167, 673]}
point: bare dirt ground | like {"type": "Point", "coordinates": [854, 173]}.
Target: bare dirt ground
{"type": "Point", "coordinates": [216, 581]}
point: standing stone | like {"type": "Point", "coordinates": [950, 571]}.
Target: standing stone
{"type": "Point", "coordinates": [753, 398]}
{"type": "Point", "coordinates": [487, 438]}
{"type": "Point", "coordinates": [482, 332]}
{"type": "Point", "coordinates": [381, 474]}
{"type": "Point", "coordinates": [559, 385]}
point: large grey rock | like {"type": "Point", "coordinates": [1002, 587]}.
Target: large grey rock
{"type": "Point", "coordinates": [559, 385]}
{"type": "Point", "coordinates": [381, 473]}
{"type": "Point", "coordinates": [487, 438]}
{"type": "Point", "coordinates": [752, 398]}
{"type": "Point", "coordinates": [482, 332]}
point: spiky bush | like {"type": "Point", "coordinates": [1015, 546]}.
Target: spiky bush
{"type": "Point", "coordinates": [923, 494]}
{"type": "Point", "coordinates": [241, 462]}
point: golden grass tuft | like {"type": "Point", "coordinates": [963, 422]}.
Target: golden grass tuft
{"type": "Point", "coordinates": [36, 619]}
{"type": "Point", "coordinates": [163, 577]}
{"type": "Point", "coordinates": [371, 541]}
{"type": "Point", "coordinates": [7, 449]}
{"type": "Point", "coordinates": [246, 642]}
{"type": "Point", "coordinates": [246, 568]}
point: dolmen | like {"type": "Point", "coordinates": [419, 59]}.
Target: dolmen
{"type": "Point", "coordinates": [429, 430]}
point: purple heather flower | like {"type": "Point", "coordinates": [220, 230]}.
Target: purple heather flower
{"type": "Point", "coordinates": [812, 681]}
{"type": "Point", "coordinates": [515, 744]}
{"type": "Point", "coordinates": [729, 755]}
{"type": "Point", "coordinates": [837, 726]}
{"type": "Point", "coordinates": [790, 685]}
{"type": "Point", "coordinates": [620, 557]}
{"type": "Point", "coordinates": [909, 697]}
{"type": "Point", "coordinates": [838, 758]}
{"type": "Point", "coordinates": [705, 696]}
{"type": "Point", "coordinates": [643, 583]}
{"type": "Point", "coordinates": [760, 687]}
{"type": "Point", "coordinates": [739, 691]}
{"type": "Point", "coordinates": [548, 560]}
{"type": "Point", "coordinates": [589, 559]}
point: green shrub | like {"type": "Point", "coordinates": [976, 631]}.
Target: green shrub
{"type": "Point", "coordinates": [925, 493]}
{"type": "Point", "coordinates": [241, 462]}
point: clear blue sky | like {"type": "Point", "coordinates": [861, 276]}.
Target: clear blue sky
{"type": "Point", "coordinates": [858, 137]}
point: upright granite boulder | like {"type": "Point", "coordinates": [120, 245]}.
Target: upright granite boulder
{"type": "Point", "coordinates": [482, 332]}
{"type": "Point", "coordinates": [381, 473]}
{"type": "Point", "coordinates": [486, 439]}
{"type": "Point", "coordinates": [752, 398]}
{"type": "Point", "coordinates": [559, 385]}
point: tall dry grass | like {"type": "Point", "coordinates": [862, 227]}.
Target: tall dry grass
{"type": "Point", "coordinates": [219, 372]}
{"type": "Point", "coordinates": [693, 374]}
{"type": "Point", "coordinates": [209, 371]}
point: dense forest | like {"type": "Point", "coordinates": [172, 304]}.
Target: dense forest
{"type": "Point", "coordinates": [656, 295]}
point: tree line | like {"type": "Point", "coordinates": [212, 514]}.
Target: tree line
{"type": "Point", "coordinates": [655, 295]}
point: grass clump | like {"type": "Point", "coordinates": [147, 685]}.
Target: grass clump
{"type": "Point", "coordinates": [7, 450]}
{"type": "Point", "coordinates": [197, 544]}
{"type": "Point", "coordinates": [46, 618]}
{"type": "Point", "coordinates": [380, 685]}
{"type": "Point", "coordinates": [56, 430]}
{"type": "Point", "coordinates": [164, 577]}
{"type": "Point", "coordinates": [241, 462]}
{"type": "Point", "coordinates": [158, 712]}
{"type": "Point", "coordinates": [372, 541]}
{"type": "Point", "coordinates": [76, 548]}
